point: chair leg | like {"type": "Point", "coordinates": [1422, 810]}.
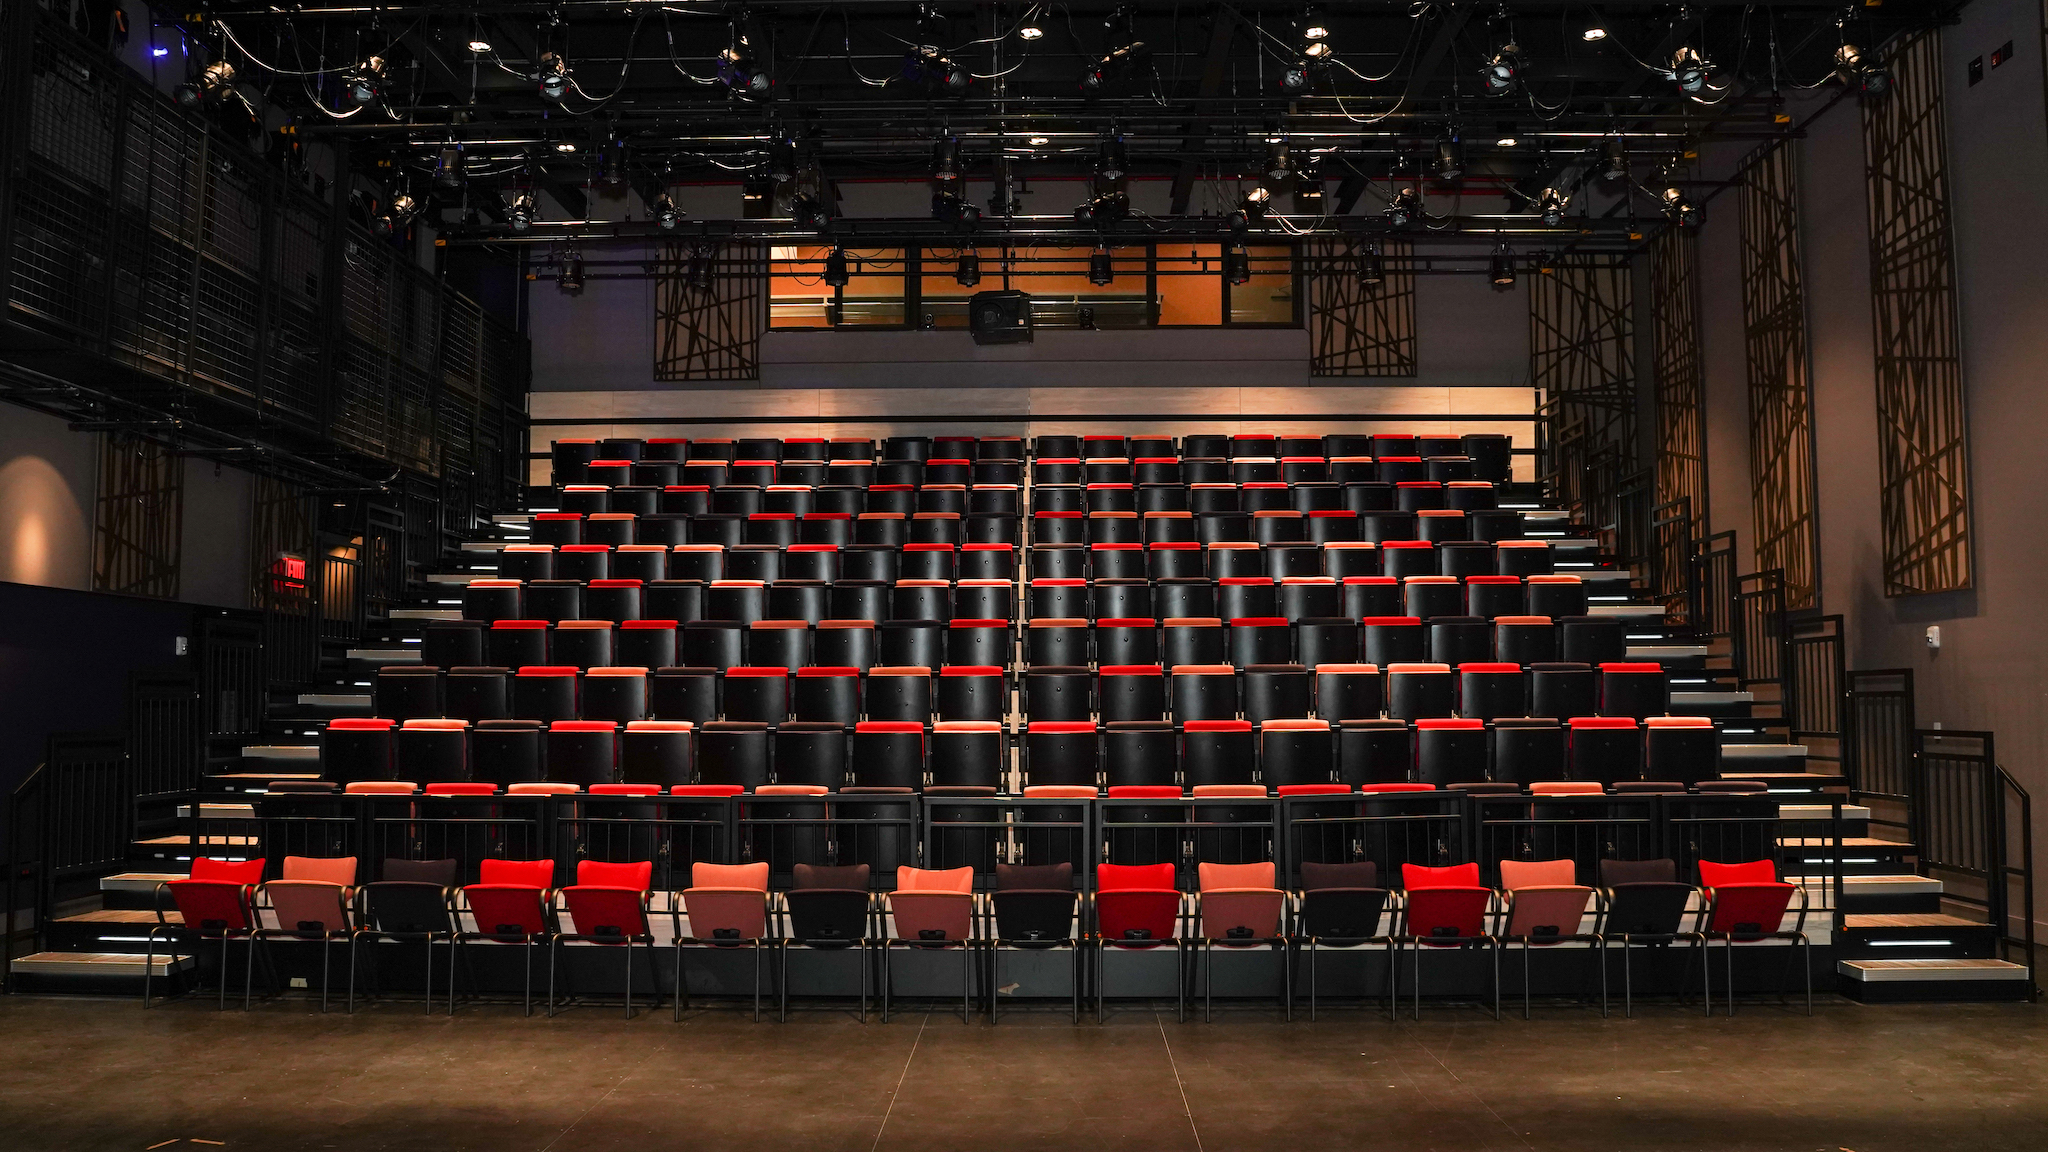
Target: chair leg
{"type": "Point", "coordinates": [887, 981]}
{"type": "Point", "coordinates": [995, 979]}
{"type": "Point", "coordinates": [1287, 980]}
{"type": "Point", "coordinates": [248, 969]}
{"type": "Point", "coordinates": [327, 967]}
{"type": "Point", "coordinates": [1207, 957]}
{"type": "Point", "coordinates": [1525, 977]}
{"type": "Point", "coordinates": [149, 967]}
{"type": "Point", "coordinates": [1310, 948]}
{"type": "Point", "coordinates": [782, 984]}
{"type": "Point", "coordinates": [353, 939]}
{"type": "Point", "coordinates": [677, 1003]}
{"type": "Point", "coordinates": [629, 979]}
{"type": "Point", "coordinates": [1602, 945]}
{"type": "Point", "coordinates": [966, 981]}
{"type": "Point", "coordinates": [1496, 979]}
{"type": "Point", "coordinates": [865, 982]}
{"type": "Point", "coordinates": [1728, 954]}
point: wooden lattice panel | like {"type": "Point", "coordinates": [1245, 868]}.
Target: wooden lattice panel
{"type": "Point", "coordinates": [1681, 438]}
{"type": "Point", "coordinates": [1582, 352]}
{"type": "Point", "coordinates": [1922, 426]}
{"type": "Point", "coordinates": [710, 333]}
{"type": "Point", "coordinates": [139, 530]}
{"type": "Point", "coordinates": [1357, 329]}
{"type": "Point", "coordinates": [1780, 400]}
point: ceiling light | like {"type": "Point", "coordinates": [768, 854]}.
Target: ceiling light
{"type": "Point", "coordinates": [212, 84]}
{"type": "Point", "coordinates": [1690, 70]}
{"type": "Point", "coordinates": [1317, 51]}
{"type": "Point", "coordinates": [520, 212]}
{"type": "Point", "coordinates": [479, 45]}
{"type": "Point", "coordinates": [1278, 167]}
{"type": "Point", "coordinates": [946, 160]}
{"type": "Point", "coordinates": [1405, 208]}
{"type": "Point", "coordinates": [968, 274]}
{"type": "Point", "coordinates": [1237, 264]}
{"type": "Point", "coordinates": [1501, 73]}
{"type": "Point", "coordinates": [1550, 204]}
{"type": "Point", "coordinates": [835, 268]}
{"type": "Point", "coordinates": [1103, 211]}
{"type": "Point", "coordinates": [1030, 29]}
{"type": "Point", "coordinates": [1450, 158]}
{"type": "Point", "coordinates": [1100, 269]}
{"type": "Point", "coordinates": [401, 212]}
{"type": "Point", "coordinates": [1313, 26]}
{"type": "Point", "coordinates": [1678, 207]}
{"type": "Point", "coordinates": [952, 208]}
{"type": "Point", "coordinates": [365, 82]}
{"type": "Point", "coordinates": [1506, 142]}
{"type": "Point", "coordinates": [929, 66]}
{"type": "Point", "coordinates": [1860, 75]}
{"type": "Point", "coordinates": [1501, 268]}
{"type": "Point", "coordinates": [1614, 162]}
{"type": "Point", "coordinates": [1299, 78]}
{"type": "Point", "coordinates": [1371, 270]}
{"type": "Point", "coordinates": [701, 269]}
{"type": "Point", "coordinates": [665, 211]}
{"type": "Point", "coordinates": [565, 146]}
{"type": "Point", "coordinates": [553, 76]}
{"type": "Point", "coordinates": [448, 169]}
{"type": "Point", "coordinates": [737, 67]}
{"type": "Point", "coordinates": [570, 280]}
{"type": "Point", "coordinates": [1594, 31]}
{"type": "Point", "coordinates": [1038, 141]}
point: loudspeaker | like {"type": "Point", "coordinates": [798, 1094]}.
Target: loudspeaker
{"type": "Point", "coordinates": [1000, 317]}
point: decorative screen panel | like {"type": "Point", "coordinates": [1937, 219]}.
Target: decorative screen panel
{"type": "Point", "coordinates": [711, 332]}
{"type": "Point", "coordinates": [1356, 329]}
{"type": "Point", "coordinates": [1780, 400]}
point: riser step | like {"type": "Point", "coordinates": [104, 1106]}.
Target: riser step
{"type": "Point", "coordinates": [1931, 980]}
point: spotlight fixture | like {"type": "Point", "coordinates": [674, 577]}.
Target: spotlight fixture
{"type": "Point", "coordinates": [1405, 208]}
{"type": "Point", "coordinates": [570, 279]}
{"type": "Point", "coordinates": [448, 169]}
{"type": "Point", "coordinates": [946, 160]}
{"type": "Point", "coordinates": [1551, 204]}
{"type": "Point", "coordinates": [806, 210]}
{"type": "Point", "coordinates": [1614, 161]}
{"type": "Point", "coordinates": [1030, 28]}
{"type": "Point", "coordinates": [610, 164]}
{"type": "Point", "coordinates": [1129, 55]}
{"type": "Point", "coordinates": [565, 145]}
{"type": "Point", "coordinates": [1114, 162]}
{"type": "Point", "coordinates": [968, 274]}
{"type": "Point", "coordinates": [479, 46]}
{"type": "Point", "coordinates": [1371, 269]}
{"type": "Point", "coordinates": [1039, 141]}
{"type": "Point", "coordinates": [782, 163]}
{"type": "Point", "coordinates": [520, 212]}
{"type": "Point", "coordinates": [1237, 264]}
{"type": "Point", "coordinates": [1251, 208]}
{"type": "Point", "coordinates": [1313, 26]}
{"type": "Point", "coordinates": [701, 269]}
{"type": "Point", "coordinates": [952, 208]}
{"type": "Point", "coordinates": [1502, 73]}
{"type": "Point", "coordinates": [214, 83]}
{"type": "Point", "coordinates": [1298, 78]}
{"type": "Point", "coordinates": [1100, 269]}
{"type": "Point", "coordinates": [1506, 142]}
{"type": "Point", "coordinates": [365, 82]}
{"type": "Point", "coordinates": [934, 69]}
{"type": "Point", "coordinates": [835, 267]}
{"type": "Point", "coordinates": [1594, 32]}
{"type": "Point", "coordinates": [1678, 207]}
{"type": "Point", "coordinates": [1544, 263]}
{"type": "Point", "coordinates": [398, 215]}
{"type": "Point", "coordinates": [665, 212]}
{"type": "Point", "coordinates": [1278, 167]}
{"type": "Point", "coordinates": [1104, 210]}
{"type": "Point", "coordinates": [1449, 163]}
{"type": "Point", "coordinates": [738, 69]}
{"type": "Point", "coordinates": [1691, 71]}
{"type": "Point", "coordinates": [1500, 268]}
{"type": "Point", "coordinates": [1859, 75]}
{"type": "Point", "coordinates": [553, 76]}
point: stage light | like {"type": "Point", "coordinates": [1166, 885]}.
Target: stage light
{"type": "Point", "coordinates": [703, 266]}
{"type": "Point", "coordinates": [553, 76]}
{"type": "Point", "coordinates": [1500, 268]}
{"type": "Point", "coordinates": [1503, 72]}
{"type": "Point", "coordinates": [1237, 264]}
{"type": "Point", "coordinates": [928, 66]}
{"type": "Point", "coordinates": [1278, 166]}
{"type": "Point", "coordinates": [1371, 269]}
{"type": "Point", "coordinates": [1614, 161]}
{"type": "Point", "coordinates": [1113, 161]}
{"type": "Point", "coordinates": [806, 210]}
{"type": "Point", "coordinates": [570, 281]}
{"type": "Point", "coordinates": [565, 146]}
{"type": "Point", "coordinates": [1506, 142]}
{"type": "Point", "coordinates": [213, 83]}
{"type": "Point", "coordinates": [1405, 208]}
{"type": "Point", "coordinates": [1030, 28]}
{"type": "Point", "coordinates": [1544, 263]}
{"type": "Point", "coordinates": [448, 170]}
{"type": "Point", "coordinates": [1860, 75]}
{"type": "Point", "coordinates": [1128, 57]}
{"type": "Point", "coordinates": [1313, 26]}
{"type": "Point", "coordinates": [1104, 210]}
{"type": "Point", "coordinates": [952, 208]}
{"type": "Point", "coordinates": [479, 46]}
{"type": "Point", "coordinates": [1251, 208]}
{"type": "Point", "coordinates": [159, 53]}
{"type": "Point", "coordinates": [1100, 269]}
{"type": "Point", "coordinates": [665, 211]}
{"type": "Point", "coordinates": [611, 165]}
{"type": "Point", "coordinates": [397, 216]}
{"type": "Point", "coordinates": [1449, 163]}
{"type": "Point", "coordinates": [835, 267]}
{"type": "Point", "coordinates": [1690, 70]}
{"type": "Point", "coordinates": [1593, 32]}
{"type": "Point", "coordinates": [1039, 141]}
{"type": "Point", "coordinates": [1551, 204]}
{"type": "Point", "coordinates": [1678, 207]}
{"type": "Point", "coordinates": [520, 212]}
{"type": "Point", "coordinates": [742, 74]}
{"type": "Point", "coordinates": [968, 274]}
{"type": "Point", "coordinates": [365, 82]}
{"type": "Point", "coordinates": [946, 160]}
{"type": "Point", "coordinates": [1298, 78]}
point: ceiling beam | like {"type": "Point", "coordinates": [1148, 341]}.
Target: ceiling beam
{"type": "Point", "coordinates": [1215, 69]}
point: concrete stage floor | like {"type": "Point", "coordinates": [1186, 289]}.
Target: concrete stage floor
{"type": "Point", "coordinates": [104, 1074]}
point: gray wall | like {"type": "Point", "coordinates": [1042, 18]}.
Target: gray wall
{"type": "Point", "coordinates": [1989, 673]}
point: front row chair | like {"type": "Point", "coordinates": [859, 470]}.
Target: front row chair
{"type": "Point", "coordinates": [509, 905]}
{"type": "Point", "coordinates": [1545, 907]}
{"type": "Point", "coordinates": [1746, 904]}
{"type": "Point", "coordinates": [1137, 908]}
{"type": "Point", "coordinates": [1239, 907]}
{"type": "Point", "coordinates": [1035, 907]}
{"type": "Point", "coordinates": [1342, 906]}
{"type": "Point", "coordinates": [1446, 908]}
{"type": "Point", "coordinates": [726, 906]}
{"type": "Point", "coordinates": [608, 905]}
{"type": "Point", "coordinates": [413, 903]}
{"type": "Point", "coordinates": [933, 910]}
{"type": "Point", "coordinates": [307, 911]}
{"type": "Point", "coordinates": [828, 909]}
{"type": "Point", "coordinates": [1646, 908]}
{"type": "Point", "coordinates": [215, 902]}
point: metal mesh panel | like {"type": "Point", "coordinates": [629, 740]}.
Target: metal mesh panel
{"type": "Point", "coordinates": [409, 436]}
{"type": "Point", "coordinates": [58, 268]}
{"type": "Point", "coordinates": [233, 223]}
{"type": "Point", "coordinates": [73, 110]}
{"type": "Point", "coordinates": [366, 292]}
{"type": "Point", "coordinates": [461, 340]}
{"type": "Point", "coordinates": [291, 384]}
{"type": "Point", "coordinates": [152, 300]}
{"type": "Point", "coordinates": [161, 169]}
{"type": "Point", "coordinates": [361, 396]}
{"type": "Point", "coordinates": [224, 328]}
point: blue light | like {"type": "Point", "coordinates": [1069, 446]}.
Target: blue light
{"type": "Point", "coordinates": [159, 51]}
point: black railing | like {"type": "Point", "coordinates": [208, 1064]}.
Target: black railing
{"type": "Point", "coordinates": [1814, 684]}
{"type": "Point", "coordinates": [69, 820]}
{"type": "Point", "coordinates": [166, 732]}
{"type": "Point", "coordinates": [1877, 747]}
{"type": "Point", "coordinates": [1713, 586]}
{"type": "Point", "coordinates": [231, 673]}
{"type": "Point", "coordinates": [1758, 617]}
{"type": "Point", "coordinates": [1976, 831]}
{"type": "Point", "coordinates": [1672, 545]}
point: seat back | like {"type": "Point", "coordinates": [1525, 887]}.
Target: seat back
{"type": "Point", "coordinates": [512, 912]}
{"type": "Point", "coordinates": [1419, 876]}
{"type": "Point", "coordinates": [1214, 877]}
{"type": "Point", "coordinates": [243, 872]}
{"type": "Point", "coordinates": [1035, 877]}
{"type": "Point", "coordinates": [634, 875]}
{"type": "Point", "coordinates": [1647, 908]}
{"type": "Point", "coordinates": [720, 914]}
{"type": "Point", "coordinates": [1363, 874]}
{"type": "Point", "coordinates": [852, 877]}
{"type": "Point", "coordinates": [1614, 872]}
{"type": "Point", "coordinates": [753, 877]}
{"type": "Point", "coordinates": [1713, 875]}
{"type": "Point", "coordinates": [1749, 911]}
{"type": "Point", "coordinates": [910, 879]}
{"type": "Point", "coordinates": [1133, 915]}
{"type": "Point", "coordinates": [409, 906]}
{"type": "Point", "coordinates": [827, 917]}
{"type": "Point", "coordinates": [1031, 915]}
{"type": "Point", "coordinates": [331, 869]}
{"type": "Point", "coordinates": [1112, 877]}
{"type": "Point", "coordinates": [520, 873]}
{"type": "Point", "coordinates": [1529, 873]}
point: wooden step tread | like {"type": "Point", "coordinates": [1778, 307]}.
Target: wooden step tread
{"type": "Point", "coordinates": [1847, 842]}
{"type": "Point", "coordinates": [1909, 920]}
{"type": "Point", "coordinates": [1946, 968]}
{"type": "Point", "coordinates": [121, 916]}
{"type": "Point", "coordinates": [202, 841]}
{"type": "Point", "coordinates": [97, 964]}
{"type": "Point", "coordinates": [138, 881]}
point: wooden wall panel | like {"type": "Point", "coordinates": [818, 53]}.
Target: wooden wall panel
{"type": "Point", "coordinates": [1780, 371]}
